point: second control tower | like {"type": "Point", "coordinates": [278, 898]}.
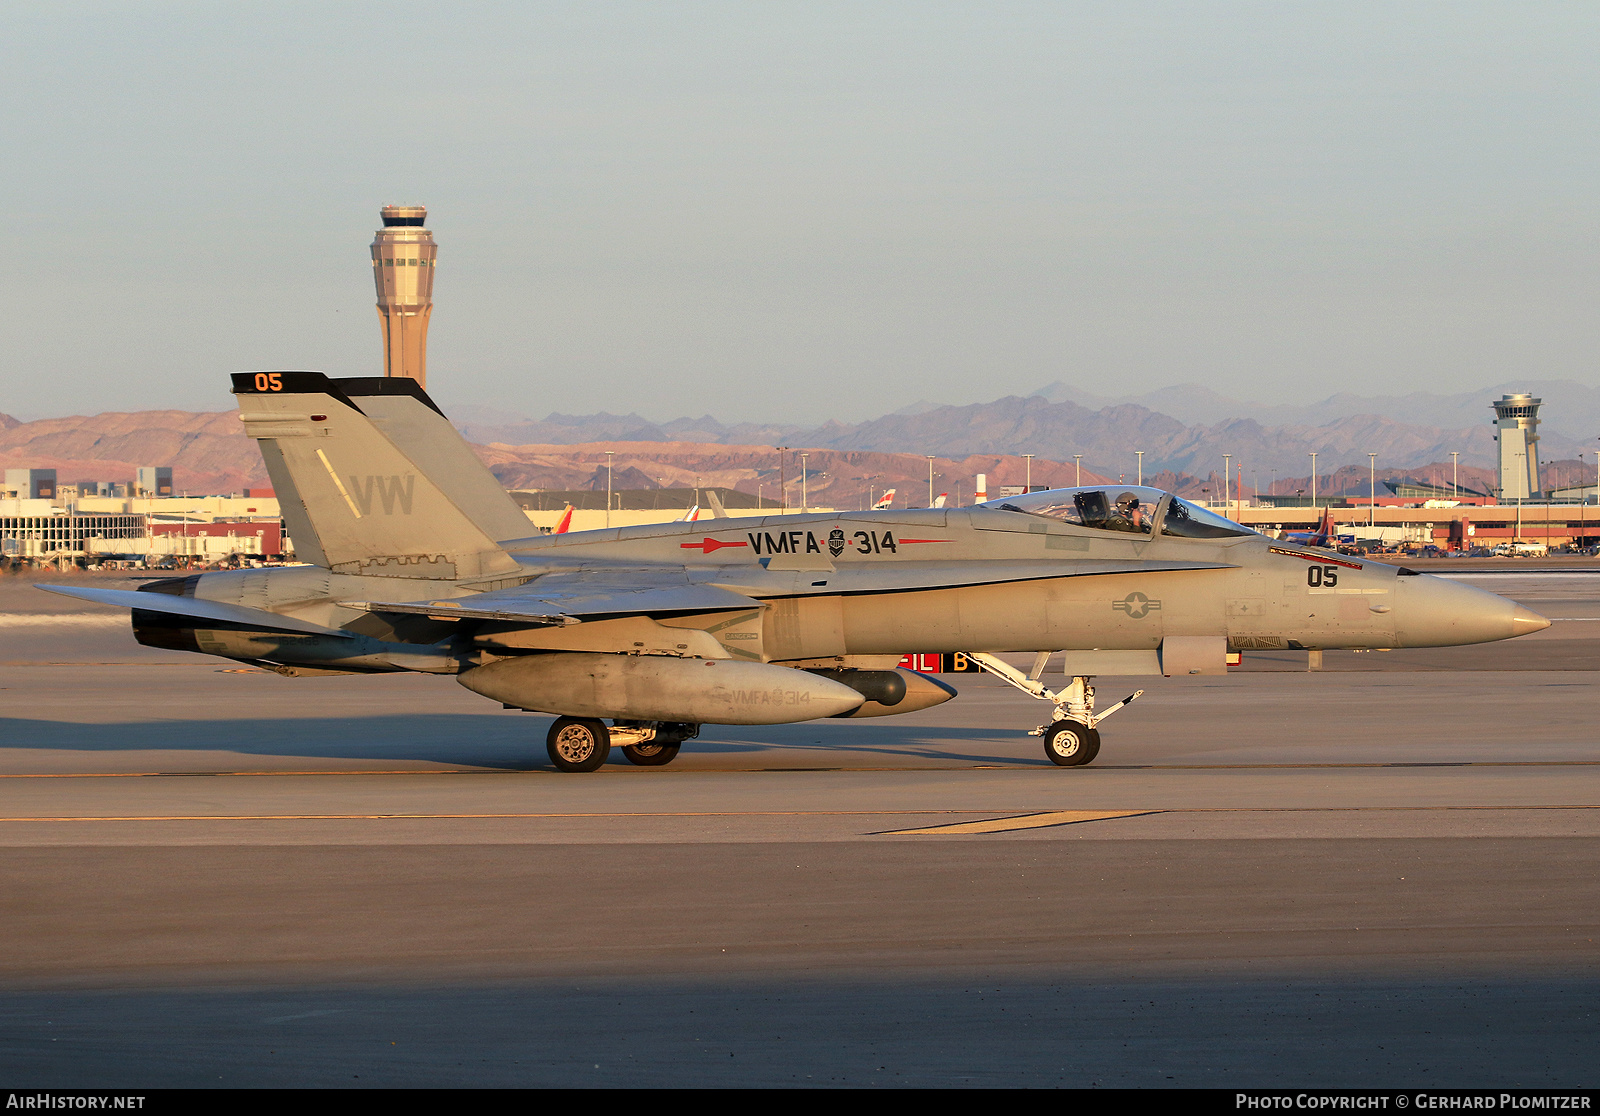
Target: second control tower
{"type": "Point", "coordinates": [1516, 420]}
{"type": "Point", "coordinates": [403, 256]}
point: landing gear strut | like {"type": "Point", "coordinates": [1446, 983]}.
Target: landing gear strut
{"type": "Point", "coordinates": [650, 755]}
{"type": "Point", "coordinates": [1072, 738]}
{"type": "Point", "coordinates": [652, 743]}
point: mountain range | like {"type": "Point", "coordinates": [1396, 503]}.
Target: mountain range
{"type": "Point", "coordinates": [848, 462]}
{"type": "Point", "coordinates": [1570, 408]}
{"type": "Point", "coordinates": [1059, 422]}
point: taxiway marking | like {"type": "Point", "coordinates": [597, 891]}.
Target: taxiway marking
{"type": "Point", "coordinates": [1006, 823]}
{"type": "Point", "coordinates": [1025, 821]}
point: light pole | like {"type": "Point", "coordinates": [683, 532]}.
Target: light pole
{"type": "Point", "coordinates": [1140, 455]}
{"type": "Point", "coordinates": [610, 457]}
{"type": "Point", "coordinates": [1523, 472]}
{"type": "Point", "coordinates": [1077, 459]}
{"type": "Point", "coordinates": [783, 487]}
{"type": "Point", "coordinates": [1027, 481]}
{"type": "Point", "coordinates": [1455, 474]}
{"type": "Point", "coordinates": [1583, 501]}
{"type": "Point", "coordinates": [1227, 479]}
{"type": "Point", "coordinates": [930, 479]}
{"type": "Point", "coordinates": [804, 496]}
{"type": "Point", "coordinates": [1313, 480]}
{"type": "Point", "coordinates": [1372, 486]}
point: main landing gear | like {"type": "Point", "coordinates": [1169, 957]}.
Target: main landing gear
{"type": "Point", "coordinates": [584, 744]}
{"type": "Point", "coordinates": [1072, 738]}
{"type": "Point", "coordinates": [578, 744]}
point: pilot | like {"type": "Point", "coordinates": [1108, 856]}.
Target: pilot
{"type": "Point", "coordinates": [1126, 514]}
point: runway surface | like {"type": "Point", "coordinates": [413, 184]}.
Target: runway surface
{"type": "Point", "coordinates": [1384, 874]}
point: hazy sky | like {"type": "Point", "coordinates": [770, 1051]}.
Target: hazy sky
{"type": "Point", "coordinates": [801, 211]}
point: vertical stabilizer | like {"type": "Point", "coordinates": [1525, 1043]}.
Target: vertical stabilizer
{"type": "Point", "coordinates": [366, 506]}
{"type": "Point", "coordinates": [402, 411]}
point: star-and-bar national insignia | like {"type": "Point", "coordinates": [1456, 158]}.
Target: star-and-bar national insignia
{"type": "Point", "coordinates": [1136, 605]}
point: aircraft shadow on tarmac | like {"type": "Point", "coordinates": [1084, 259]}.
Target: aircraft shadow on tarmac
{"type": "Point", "coordinates": [491, 740]}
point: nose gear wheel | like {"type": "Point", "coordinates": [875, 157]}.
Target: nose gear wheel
{"type": "Point", "coordinates": [1071, 743]}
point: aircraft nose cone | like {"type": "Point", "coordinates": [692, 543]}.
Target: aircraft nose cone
{"type": "Point", "coordinates": [1527, 621]}
{"type": "Point", "coordinates": [1441, 612]}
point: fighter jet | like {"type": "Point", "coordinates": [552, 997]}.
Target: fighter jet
{"type": "Point", "coordinates": [415, 559]}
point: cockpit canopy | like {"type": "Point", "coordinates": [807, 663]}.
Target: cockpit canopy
{"type": "Point", "coordinates": [1131, 509]}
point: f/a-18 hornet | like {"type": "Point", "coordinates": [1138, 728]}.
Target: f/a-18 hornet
{"type": "Point", "coordinates": [416, 559]}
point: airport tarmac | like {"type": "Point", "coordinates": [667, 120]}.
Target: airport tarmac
{"type": "Point", "coordinates": [1386, 873]}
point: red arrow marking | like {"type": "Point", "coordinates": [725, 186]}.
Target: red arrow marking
{"type": "Point", "coordinates": [706, 546]}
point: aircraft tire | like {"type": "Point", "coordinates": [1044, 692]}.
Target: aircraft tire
{"type": "Point", "coordinates": [578, 744]}
{"type": "Point", "coordinates": [651, 754]}
{"type": "Point", "coordinates": [1071, 743]}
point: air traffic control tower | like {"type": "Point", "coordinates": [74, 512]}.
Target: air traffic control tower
{"type": "Point", "coordinates": [1516, 420]}
{"type": "Point", "coordinates": [403, 256]}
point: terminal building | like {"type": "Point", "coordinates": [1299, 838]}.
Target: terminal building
{"type": "Point", "coordinates": [29, 484]}
{"type": "Point", "coordinates": [138, 521]}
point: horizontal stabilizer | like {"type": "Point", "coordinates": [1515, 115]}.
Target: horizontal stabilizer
{"type": "Point", "coordinates": [189, 607]}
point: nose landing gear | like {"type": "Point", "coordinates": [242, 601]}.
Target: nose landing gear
{"type": "Point", "coordinates": [1070, 743]}
{"type": "Point", "coordinates": [1072, 737]}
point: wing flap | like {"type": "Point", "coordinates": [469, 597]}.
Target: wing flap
{"type": "Point", "coordinates": [449, 610]}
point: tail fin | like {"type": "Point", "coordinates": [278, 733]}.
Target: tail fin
{"type": "Point", "coordinates": [566, 522]}
{"type": "Point", "coordinates": [717, 510]}
{"type": "Point", "coordinates": [356, 503]}
{"type": "Point", "coordinates": [405, 415]}
{"type": "Point", "coordinates": [1327, 533]}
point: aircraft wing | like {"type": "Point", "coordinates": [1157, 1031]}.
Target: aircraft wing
{"type": "Point", "coordinates": [191, 608]}
{"type": "Point", "coordinates": [571, 597]}
{"type": "Point", "coordinates": [568, 598]}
